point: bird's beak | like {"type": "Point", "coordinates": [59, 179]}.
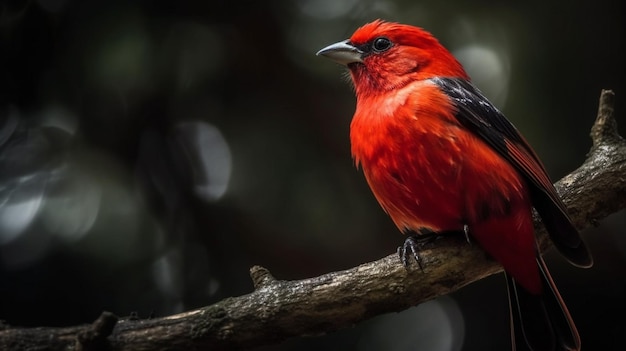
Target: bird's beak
{"type": "Point", "coordinates": [342, 52]}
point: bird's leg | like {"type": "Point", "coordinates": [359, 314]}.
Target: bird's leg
{"type": "Point", "coordinates": [413, 244]}
{"type": "Point", "coordinates": [466, 231]}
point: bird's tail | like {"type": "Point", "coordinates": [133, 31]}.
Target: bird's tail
{"type": "Point", "coordinates": [540, 322]}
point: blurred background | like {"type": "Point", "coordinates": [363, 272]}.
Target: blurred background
{"type": "Point", "coordinates": [152, 151]}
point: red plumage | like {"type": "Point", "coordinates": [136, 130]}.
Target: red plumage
{"type": "Point", "coordinates": [429, 172]}
{"type": "Point", "coordinates": [440, 157]}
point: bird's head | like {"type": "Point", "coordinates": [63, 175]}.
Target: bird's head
{"type": "Point", "coordinates": [384, 56]}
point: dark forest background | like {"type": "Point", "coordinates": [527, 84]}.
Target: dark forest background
{"type": "Point", "coordinates": [152, 151]}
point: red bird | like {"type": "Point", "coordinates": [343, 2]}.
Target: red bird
{"type": "Point", "coordinates": [439, 157]}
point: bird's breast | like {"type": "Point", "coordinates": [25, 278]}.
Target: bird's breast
{"type": "Point", "coordinates": [424, 168]}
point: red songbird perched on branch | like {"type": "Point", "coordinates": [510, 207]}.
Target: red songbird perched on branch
{"type": "Point", "coordinates": [439, 157]}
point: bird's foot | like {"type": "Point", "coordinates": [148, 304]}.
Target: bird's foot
{"type": "Point", "coordinates": [415, 243]}
{"type": "Point", "coordinates": [466, 231]}
{"type": "Point", "coordinates": [412, 246]}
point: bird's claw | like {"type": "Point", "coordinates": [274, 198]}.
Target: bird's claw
{"type": "Point", "coordinates": [466, 231]}
{"type": "Point", "coordinates": [415, 243]}
{"type": "Point", "coordinates": [410, 247]}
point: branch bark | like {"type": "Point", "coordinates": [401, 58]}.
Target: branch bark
{"type": "Point", "coordinates": [277, 309]}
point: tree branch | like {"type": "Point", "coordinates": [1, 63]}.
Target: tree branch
{"type": "Point", "coordinates": [277, 309]}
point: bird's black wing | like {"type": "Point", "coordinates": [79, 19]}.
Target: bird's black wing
{"type": "Point", "coordinates": [479, 115]}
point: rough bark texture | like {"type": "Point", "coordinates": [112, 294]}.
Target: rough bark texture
{"type": "Point", "coordinates": [278, 309]}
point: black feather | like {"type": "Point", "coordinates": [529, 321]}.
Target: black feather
{"type": "Point", "coordinates": [540, 322]}
{"type": "Point", "coordinates": [477, 114]}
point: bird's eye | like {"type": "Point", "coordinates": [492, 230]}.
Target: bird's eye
{"type": "Point", "coordinates": [381, 44]}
